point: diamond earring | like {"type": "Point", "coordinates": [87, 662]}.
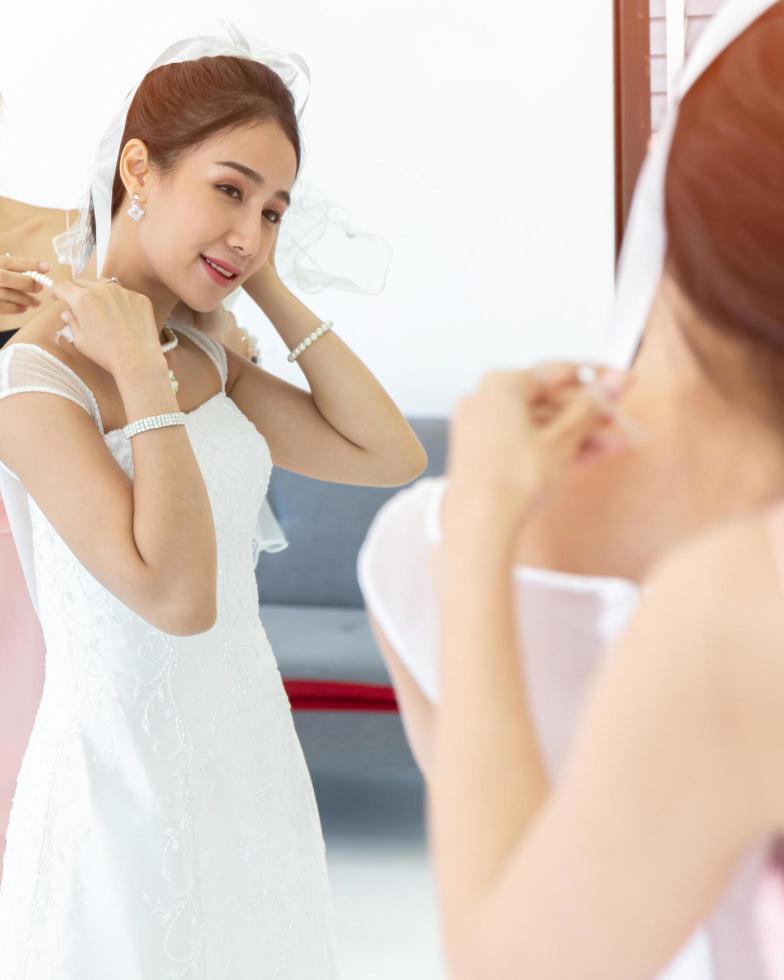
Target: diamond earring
{"type": "Point", "coordinates": [134, 210]}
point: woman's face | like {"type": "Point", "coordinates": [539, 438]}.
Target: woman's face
{"type": "Point", "coordinates": [223, 201]}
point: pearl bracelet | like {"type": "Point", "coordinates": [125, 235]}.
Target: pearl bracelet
{"type": "Point", "coordinates": [154, 422]}
{"type": "Point", "coordinates": [311, 339]}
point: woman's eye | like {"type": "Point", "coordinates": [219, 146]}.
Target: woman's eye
{"type": "Point", "coordinates": [229, 187]}
{"type": "Point", "coordinates": [275, 217]}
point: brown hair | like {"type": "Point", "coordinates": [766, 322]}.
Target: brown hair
{"type": "Point", "coordinates": [179, 106]}
{"type": "Point", "coordinates": [725, 190]}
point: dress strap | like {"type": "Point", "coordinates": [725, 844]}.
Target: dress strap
{"type": "Point", "coordinates": [211, 347]}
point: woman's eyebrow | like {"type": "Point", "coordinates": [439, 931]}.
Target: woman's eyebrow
{"type": "Point", "coordinates": [253, 175]}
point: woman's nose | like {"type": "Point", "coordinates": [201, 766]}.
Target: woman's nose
{"type": "Point", "coordinates": [246, 237]}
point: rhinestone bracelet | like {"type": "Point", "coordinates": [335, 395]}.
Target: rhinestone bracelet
{"type": "Point", "coordinates": [320, 330]}
{"type": "Point", "coordinates": [154, 422]}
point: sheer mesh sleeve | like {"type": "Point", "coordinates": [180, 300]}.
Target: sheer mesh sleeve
{"type": "Point", "coordinates": [394, 576]}
{"type": "Point", "coordinates": [25, 367]}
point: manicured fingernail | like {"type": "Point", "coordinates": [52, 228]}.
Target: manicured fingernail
{"type": "Point", "coordinates": [43, 266]}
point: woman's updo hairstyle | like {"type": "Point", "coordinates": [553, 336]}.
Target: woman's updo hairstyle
{"type": "Point", "coordinates": [179, 106]}
{"type": "Point", "coordinates": [724, 191]}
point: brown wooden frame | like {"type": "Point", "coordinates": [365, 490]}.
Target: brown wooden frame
{"type": "Point", "coordinates": [632, 102]}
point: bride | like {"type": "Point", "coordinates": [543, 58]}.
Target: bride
{"type": "Point", "coordinates": [164, 823]}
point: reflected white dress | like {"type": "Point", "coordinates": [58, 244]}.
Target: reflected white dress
{"type": "Point", "coordinates": [164, 824]}
{"type": "Point", "coordinates": [565, 624]}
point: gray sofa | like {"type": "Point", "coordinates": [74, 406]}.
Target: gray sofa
{"type": "Point", "coordinates": [312, 609]}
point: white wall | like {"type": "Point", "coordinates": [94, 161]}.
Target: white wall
{"type": "Point", "coordinates": [475, 137]}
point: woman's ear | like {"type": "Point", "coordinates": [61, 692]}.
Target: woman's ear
{"type": "Point", "coordinates": [134, 169]}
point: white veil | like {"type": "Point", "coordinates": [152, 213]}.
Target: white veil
{"type": "Point", "coordinates": [645, 242]}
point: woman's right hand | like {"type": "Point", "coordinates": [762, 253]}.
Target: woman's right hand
{"type": "Point", "coordinates": [113, 326]}
{"type": "Point", "coordinates": [16, 290]}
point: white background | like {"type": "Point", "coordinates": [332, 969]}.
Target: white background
{"type": "Point", "coordinates": [475, 137]}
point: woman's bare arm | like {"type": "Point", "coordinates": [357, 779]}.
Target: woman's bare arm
{"type": "Point", "coordinates": [416, 712]}
{"type": "Point", "coordinates": [345, 428]}
{"type": "Point", "coordinates": [137, 538]}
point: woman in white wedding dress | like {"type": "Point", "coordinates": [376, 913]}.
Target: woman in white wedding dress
{"type": "Point", "coordinates": [164, 823]}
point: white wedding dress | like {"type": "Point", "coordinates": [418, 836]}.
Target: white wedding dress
{"type": "Point", "coordinates": [164, 825]}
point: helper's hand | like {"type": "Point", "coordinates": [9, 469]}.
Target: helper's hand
{"type": "Point", "coordinates": [18, 292]}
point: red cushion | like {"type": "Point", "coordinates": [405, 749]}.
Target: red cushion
{"type": "Point", "coordinates": [314, 695]}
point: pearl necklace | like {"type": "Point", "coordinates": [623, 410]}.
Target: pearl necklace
{"type": "Point", "coordinates": [165, 348]}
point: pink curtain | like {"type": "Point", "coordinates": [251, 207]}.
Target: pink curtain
{"type": "Point", "coordinates": [21, 669]}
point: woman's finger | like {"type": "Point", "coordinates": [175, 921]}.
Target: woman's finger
{"type": "Point", "coordinates": [549, 381]}
{"type": "Point", "coordinates": [66, 332]}
{"type": "Point", "coordinates": [557, 374]}
{"type": "Point", "coordinates": [584, 416]}
{"type": "Point", "coordinates": [68, 290]}
{"type": "Point", "coordinates": [16, 263]}
{"type": "Point", "coordinates": [19, 297]}
{"type": "Point", "coordinates": [15, 280]}
{"type": "Point", "coordinates": [530, 386]}
{"type": "Point", "coordinates": [560, 377]}
{"type": "Point", "coordinates": [11, 309]}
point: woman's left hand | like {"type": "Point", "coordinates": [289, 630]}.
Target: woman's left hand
{"type": "Point", "coordinates": [266, 276]}
{"type": "Point", "coordinates": [514, 439]}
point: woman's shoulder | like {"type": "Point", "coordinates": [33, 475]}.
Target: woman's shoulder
{"type": "Point", "coordinates": [724, 587]}
{"type": "Point", "coordinates": [737, 557]}
{"type": "Point", "coordinates": [13, 210]}
{"type": "Point", "coordinates": [709, 639]}
{"type": "Point", "coordinates": [722, 595]}
{"type": "Point", "coordinates": [40, 332]}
